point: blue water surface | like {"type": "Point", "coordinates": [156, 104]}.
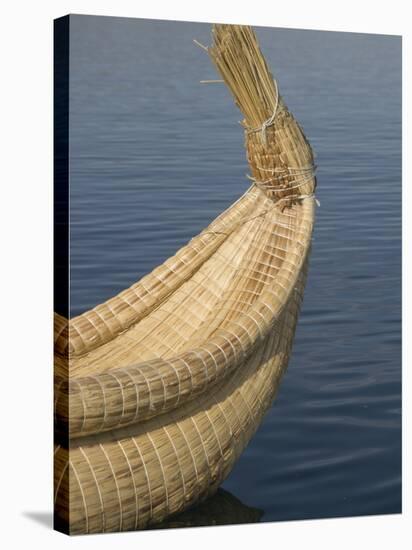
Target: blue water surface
{"type": "Point", "coordinates": [155, 156]}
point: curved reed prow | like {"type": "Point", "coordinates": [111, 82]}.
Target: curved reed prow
{"type": "Point", "coordinates": [159, 389]}
{"type": "Point", "coordinates": [280, 157]}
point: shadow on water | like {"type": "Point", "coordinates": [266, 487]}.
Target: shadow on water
{"type": "Point", "coordinates": [221, 509]}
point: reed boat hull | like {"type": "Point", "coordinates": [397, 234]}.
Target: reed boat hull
{"type": "Point", "coordinates": [137, 476]}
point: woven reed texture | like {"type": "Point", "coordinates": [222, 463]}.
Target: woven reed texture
{"type": "Point", "coordinates": [136, 476]}
{"type": "Point", "coordinates": [161, 387]}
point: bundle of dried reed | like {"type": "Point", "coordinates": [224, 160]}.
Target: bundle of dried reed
{"type": "Point", "coordinates": [168, 381]}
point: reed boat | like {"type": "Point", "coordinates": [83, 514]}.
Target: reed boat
{"type": "Point", "coordinates": [159, 389]}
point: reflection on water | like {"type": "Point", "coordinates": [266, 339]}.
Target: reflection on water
{"type": "Point", "coordinates": [155, 156]}
{"type": "Point", "coordinates": [221, 509]}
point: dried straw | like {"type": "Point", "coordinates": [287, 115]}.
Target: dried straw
{"type": "Point", "coordinates": [169, 380]}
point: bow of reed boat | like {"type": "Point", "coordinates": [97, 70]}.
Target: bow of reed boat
{"type": "Point", "coordinates": [159, 389]}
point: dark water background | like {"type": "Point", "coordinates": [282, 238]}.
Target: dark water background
{"type": "Point", "coordinates": [155, 156]}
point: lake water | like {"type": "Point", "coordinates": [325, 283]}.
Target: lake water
{"type": "Point", "coordinates": [155, 156]}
